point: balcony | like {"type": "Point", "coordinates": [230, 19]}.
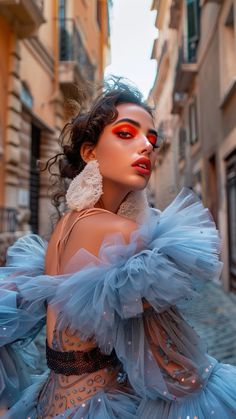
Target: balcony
{"type": "Point", "coordinates": [25, 16]}
{"type": "Point", "coordinates": [8, 220]}
{"type": "Point", "coordinates": [75, 66]}
{"type": "Point", "coordinates": [175, 12]}
{"type": "Point", "coordinates": [186, 70]}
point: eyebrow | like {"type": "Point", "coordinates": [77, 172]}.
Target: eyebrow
{"type": "Point", "coordinates": [136, 123]}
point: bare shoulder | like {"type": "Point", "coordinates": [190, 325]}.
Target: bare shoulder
{"type": "Point", "coordinates": [90, 232]}
{"type": "Point", "coordinates": [97, 226]}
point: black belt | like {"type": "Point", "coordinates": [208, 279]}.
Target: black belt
{"type": "Point", "coordinates": [79, 362]}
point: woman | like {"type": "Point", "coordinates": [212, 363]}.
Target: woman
{"type": "Point", "coordinates": [115, 271]}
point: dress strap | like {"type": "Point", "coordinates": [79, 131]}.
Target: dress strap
{"type": "Point", "coordinates": [79, 216]}
{"type": "Point", "coordinates": [67, 226]}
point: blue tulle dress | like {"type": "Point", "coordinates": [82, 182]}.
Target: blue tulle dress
{"type": "Point", "coordinates": [164, 371]}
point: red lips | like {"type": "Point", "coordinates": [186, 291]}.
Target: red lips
{"type": "Point", "coordinates": [143, 165]}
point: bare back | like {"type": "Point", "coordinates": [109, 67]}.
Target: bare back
{"type": "Point", "coordinates": [79, 230]}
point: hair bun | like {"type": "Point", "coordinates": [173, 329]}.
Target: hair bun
{"type": "Point", "coordinates": [66, 169]}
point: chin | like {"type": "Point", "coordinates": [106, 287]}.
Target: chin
{"type": "Point", "coordinates": [139, 185]}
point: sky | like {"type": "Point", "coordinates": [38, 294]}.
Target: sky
{"type": "Point", "coordinates": [132, 36]}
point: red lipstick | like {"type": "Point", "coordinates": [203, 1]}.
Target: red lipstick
{"type": "Point", "coordinates": [143, 165]}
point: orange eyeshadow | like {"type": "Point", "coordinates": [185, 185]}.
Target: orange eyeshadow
{"type": "Point", "coordinates": [124, 127]}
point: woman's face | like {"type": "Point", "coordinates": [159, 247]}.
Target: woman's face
{"type": "Point", "coordinates": [125, 149]}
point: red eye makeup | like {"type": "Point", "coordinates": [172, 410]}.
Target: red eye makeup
{"type": "Point", "coordinates": [126, 130]}
{"type": "Point", "coordinates": [153, 139]}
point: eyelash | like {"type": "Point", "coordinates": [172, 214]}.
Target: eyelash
{"type": "Point", "coordinates": [122, 134]}
{"type": "Point", "coordinates": [126, 135]}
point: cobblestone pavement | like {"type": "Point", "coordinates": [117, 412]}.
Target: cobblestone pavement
{"type": "Point", "coordinates": [213, 316]}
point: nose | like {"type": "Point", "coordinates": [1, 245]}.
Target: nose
{"type": "Point", "coordinates": [145, 146]}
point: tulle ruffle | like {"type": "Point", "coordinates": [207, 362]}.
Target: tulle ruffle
{"type": "Point", "coordinates": [163, 263]}
{"type": "Point", "coordinates": [217, 400]}
{"type": "Point", "coordinates": [102, 298]}
{"type": "Point", "coordinates": [180, 250]}
{"type": "Point", "coordinates": [18, 361]}
{"type": "Point", "coordinates": [19, 317]}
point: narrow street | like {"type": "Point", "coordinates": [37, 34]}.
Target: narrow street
{"type": "Point", "coordinates": [213, 316]}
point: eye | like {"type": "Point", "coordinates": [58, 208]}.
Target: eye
{"type": "Point", "coordinates": [153, 140]}
{"type": "Point", "coordinates": [124, 134]}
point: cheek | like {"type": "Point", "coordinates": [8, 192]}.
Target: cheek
{"type": "Point", "coordinates": [108, 157]}
{"type": "Point", "coordinates": [108, 151]}
{"type": "Point", "coordinates": [105, 153]}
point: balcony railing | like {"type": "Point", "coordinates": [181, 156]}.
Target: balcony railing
{"type": "Point", "coordinates": [8, 220]}
{"type": "Point", "coordinates": [186, 67]}
{"type": "Point", "coordinates": [73, 49]}
{"type": "Point", "coordinates": [188, 51]}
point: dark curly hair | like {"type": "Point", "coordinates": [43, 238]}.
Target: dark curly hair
{"type": "Point", "coordinates": [87, 126]}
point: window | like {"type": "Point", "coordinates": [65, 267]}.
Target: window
{"type": "Point", "coordinates": [62, 11]}
{"type": "Point", "coordinates": [26, 96]}
{"type": "Point", "coordinates": [193, 129]}
{"type": "Point", "coordinates": [193, 26]}
{"type": "Point", "coordinates": [182, 143]}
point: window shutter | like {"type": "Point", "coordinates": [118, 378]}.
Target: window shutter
{"type": "Point", "coordinates": [193, 24]}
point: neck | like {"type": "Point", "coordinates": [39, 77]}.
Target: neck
{"type": "Point", "coordinates": [112, 197]}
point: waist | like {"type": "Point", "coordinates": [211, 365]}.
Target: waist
{"type": "Point", "coordinates": [79, 362]}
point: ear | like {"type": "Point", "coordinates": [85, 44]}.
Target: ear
{"type": "Point", "coordinates": [87, 152]}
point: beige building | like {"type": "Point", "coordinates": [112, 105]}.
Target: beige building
{"type": "Point", "coordinates": [195, 92]}
{"type": "Point", "coordinates": [46, 48]}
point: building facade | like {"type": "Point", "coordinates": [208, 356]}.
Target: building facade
{"type": "Point", "coordinates": [195, 91]}
{"type": "Point", "coordinates": [46, 49]}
